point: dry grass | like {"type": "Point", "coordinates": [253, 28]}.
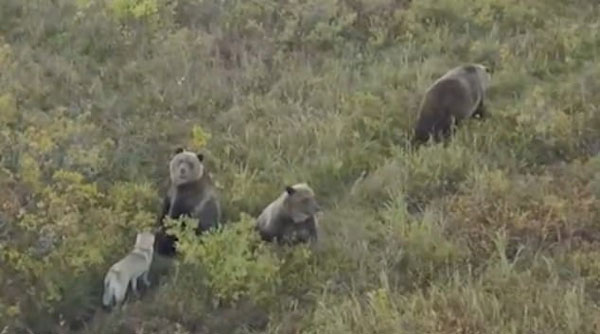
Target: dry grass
{"type": "Point", "coordinates": [496, 232]}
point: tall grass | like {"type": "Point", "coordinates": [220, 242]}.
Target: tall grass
{"type": "Point", "coordinates": [497, 232]}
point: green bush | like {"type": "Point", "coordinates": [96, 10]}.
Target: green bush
{"type": "Point", "coordinates": [234, 262]}
{"type": "Point", "coordinates": [494, 232]}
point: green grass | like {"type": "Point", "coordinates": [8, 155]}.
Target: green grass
{"type": "Point", "coordinates": [497, 232]}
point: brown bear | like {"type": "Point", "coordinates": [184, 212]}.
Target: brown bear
{"type": "Point", "coordinates": [457, 95]}
{"type": "Point", "coordinates": [191, 194]}
{"type": "Point", "coordinates": [290, 219]}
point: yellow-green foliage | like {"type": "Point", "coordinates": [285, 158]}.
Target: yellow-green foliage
{"type": "Point", "coordinates": [234, 261]}
{"type": "Point", "coordinates": [495, 232]}
{"type": "Point", "coordinates": [135, 8]}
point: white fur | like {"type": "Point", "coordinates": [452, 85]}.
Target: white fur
{"type": "Point", "coordinates": [114, 291]}
{"type": "Point", "coordinates": [128, 270]}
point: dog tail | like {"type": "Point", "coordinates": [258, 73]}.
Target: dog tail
{"type": "Point", "coordinates": [112, 289]}
{"type": "Point", "coordinates": [109, 289]}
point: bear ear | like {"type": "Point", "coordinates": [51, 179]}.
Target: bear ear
{"type": "Point", "coordinates": [178, 150]}
{"type": "Point", "coordinates": [487, 68]}
{"type": "Point", "coordinates": [470, 68]}
{"type": "Point", "coordinates": [290, 190]}
{"type": "Point", "coordinates": [200, 157]}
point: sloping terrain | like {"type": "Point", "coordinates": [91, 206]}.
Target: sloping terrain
{"type": "Point", "coordinates": [496, 232]}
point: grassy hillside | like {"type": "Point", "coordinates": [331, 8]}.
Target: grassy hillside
{"type": "Point", "coordinates": [498, 232]}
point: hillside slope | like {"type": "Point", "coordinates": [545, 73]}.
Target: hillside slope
{"type": "Point", "coordinates": [497, 232]}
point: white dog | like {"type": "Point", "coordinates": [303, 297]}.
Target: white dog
{"type": "Point", "coordinates": [133, 266]}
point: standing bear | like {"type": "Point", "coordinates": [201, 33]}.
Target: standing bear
{"type": "Point", "coordinates": [191, 193]}
{"type": "Point", "coordinates": [457, 95]}
{"type": "Point", "coordinates": [290, 219]}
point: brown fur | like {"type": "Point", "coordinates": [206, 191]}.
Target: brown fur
{"type": "Point", "coordinates": [457, 95]}
{"type": "Point", "coordinates": [290, 218]}
{"type": "Point", "coordinates": [191, 194]}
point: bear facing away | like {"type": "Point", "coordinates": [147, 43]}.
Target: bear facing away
{"type": "Point", "coordinates": [457, 95]}
{"type": "Point", "coordinates": [290, 219]}
{"type": "Point", "coordinates": [191, 193]}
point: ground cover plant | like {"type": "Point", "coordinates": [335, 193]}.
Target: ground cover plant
{"type": "Point", "coordinates": [496, 232]}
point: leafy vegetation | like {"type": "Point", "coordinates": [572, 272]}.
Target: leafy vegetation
{"type": "Point", "coordinates": [497, 232]}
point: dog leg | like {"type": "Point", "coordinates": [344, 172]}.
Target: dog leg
{"type": "Point", "coordinates": [145, 278]}
{"type": "Point", "coordinates": [134, 285]}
